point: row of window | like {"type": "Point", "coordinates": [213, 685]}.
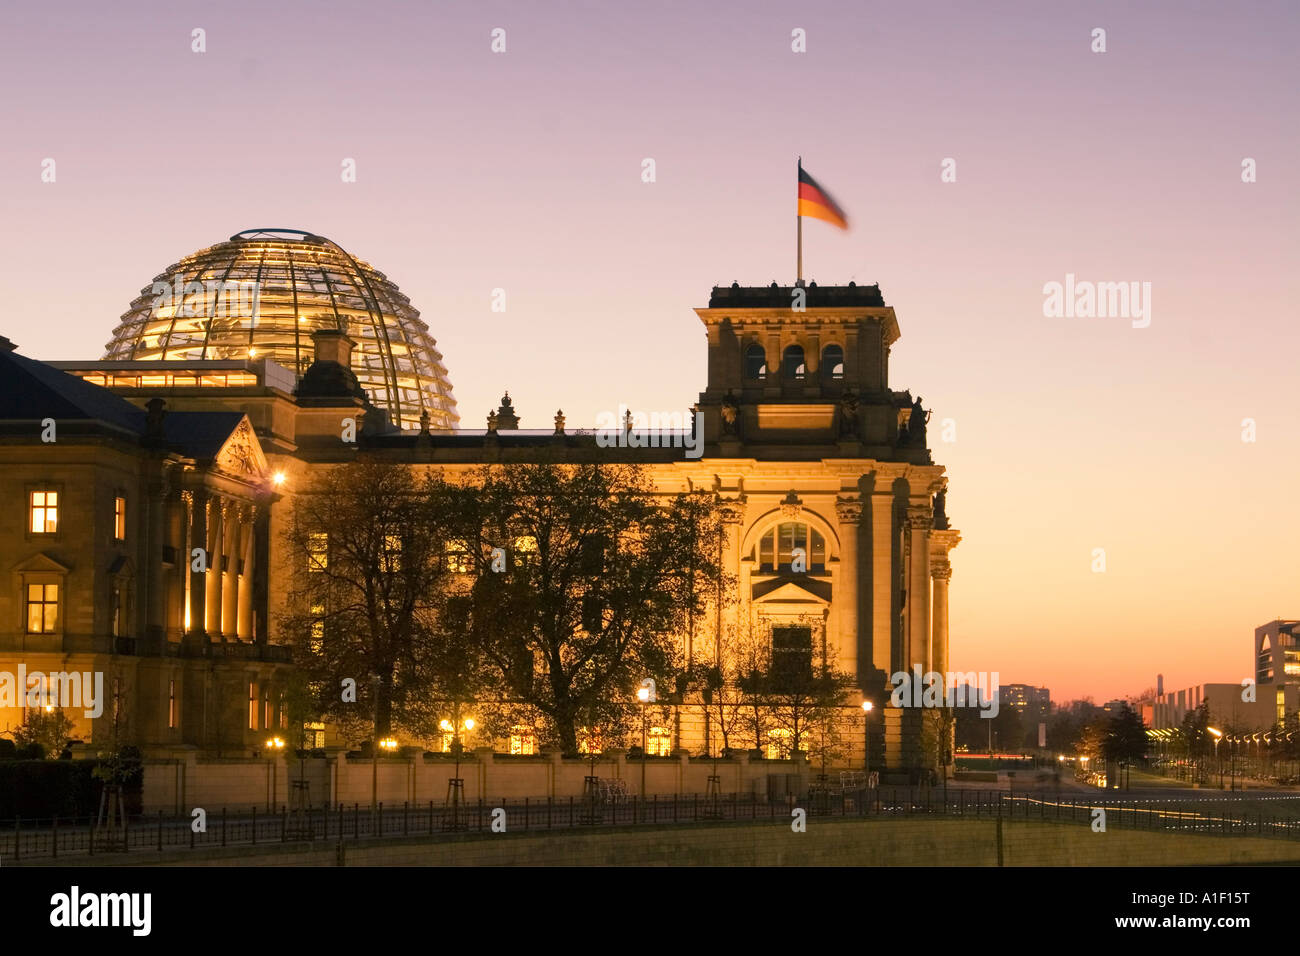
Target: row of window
{"type": "Point", "coordinates": [43, 514]}
{"type": "Point", "coordinates": [456, 553]}
{"type": "Point", "coordinates": [791, 546]}
{"type": "Point", "coordinates": [793, 365]}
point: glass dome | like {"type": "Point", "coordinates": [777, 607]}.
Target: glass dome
{"type": "Point", "coordinates": [262, 293]}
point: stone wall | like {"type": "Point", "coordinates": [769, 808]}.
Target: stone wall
{"type": "Point", "coordinates": [178, 784]}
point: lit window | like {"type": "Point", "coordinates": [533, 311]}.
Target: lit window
{"type": "Point", "coordinates": [252, 705]}
{"type": "Point", "coordinates": [778, 744]}
{"type": "Point", "coordinates": [776, 549]}
{"type": "Point", "coordinates": [171, 703]}
{"type": "Point", "coordinates": [314, 734]}
{"type": "Point", "coordinates": [525, 551]}
{"type": "Point", "coordinates": [119, 518]}
{"type": "Point", "coordinates": [523, 741]}
{"type": "Point", "coordinates": [44, 512]}
{"type": "Point", "coordinates": [391, 560]}
{"type": "Point", "coordinates": [117, 611]}
{"type": "Point", "coordinates": [660, 742]}
{"type": "Point", "coordinates": [42, 608]}
{"type": "Point", "coordinates": [457, 557]}
{"type": "Point", "coordinates": [284, 712]}
{"type": "Point", "coordinates": [317, 642]}
{"type": "Point", "coordinates": [318, 547]}
{"type": "Point", "coordinates": [589, 741]}
{"type": "Point", "coordinates": [267, 721]}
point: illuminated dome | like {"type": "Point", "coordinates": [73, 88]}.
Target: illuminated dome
{"type": "Point", "coordinates": [262, 293]}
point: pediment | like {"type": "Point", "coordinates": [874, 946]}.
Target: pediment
{"type": "Point", "coordinates": [241, 453]}
{"type": "Point", "coordinates": [793, 591]}
{"type": "Point", "coordinates": [40, 562]}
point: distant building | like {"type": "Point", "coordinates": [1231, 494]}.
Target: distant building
{"type": "Point", "coordinates": [1277, 652]}
{"type": "Point", "coordinates": [1227, 706]}
{"type": "Point", "coordinates": [1033, 704]}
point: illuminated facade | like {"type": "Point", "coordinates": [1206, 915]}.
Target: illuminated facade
{"type": "Point", "coordinates": [805, 445]}
{"type": "Point", "coordinates": [263, 292]}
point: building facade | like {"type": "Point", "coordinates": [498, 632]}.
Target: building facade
{"type": "Point", "coordinates": [805, 444]}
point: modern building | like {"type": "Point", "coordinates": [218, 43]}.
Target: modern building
{"type": "Point", "coordinates": [805, 444]}
{"type": "Point", "coordinates": [1033, 704]}
{"type": "Point", "coordinates": [1277, 652]}
{"type": "Point", "coordinates": [1233, 707]}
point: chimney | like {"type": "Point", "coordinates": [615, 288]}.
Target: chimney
{"type": "Point", "coordinates": [333, 345]}
{"type": "Point", "coordinates": [154, 419]}
{"type": "Point", "coordinates": [1160, 685]}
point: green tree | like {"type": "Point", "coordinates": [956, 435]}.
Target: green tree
{"type": "Point", "coordinates": [581, 579]}
{"type": "Point", "coordinates": [368, 546]}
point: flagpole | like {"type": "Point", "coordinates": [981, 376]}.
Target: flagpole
{"type": "Point", "coordinates": [798, 219]}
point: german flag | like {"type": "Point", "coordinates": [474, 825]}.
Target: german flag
{"type": "Point", "coordinates": [816, 202]}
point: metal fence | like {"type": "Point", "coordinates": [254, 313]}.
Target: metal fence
{"type": "Point", "coordinates": [20, 839]}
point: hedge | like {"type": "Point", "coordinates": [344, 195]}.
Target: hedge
{"type": "Point", "coordinates": [41, 789]}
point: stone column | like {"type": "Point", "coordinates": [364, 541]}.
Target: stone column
{"type": "Point", "coordinates": [849, 512]}
{"type": "Point", "coordinates": [212, 620]}
{"type": "Point", "coordinates": [247, 552]}
{"type": "Point", "coordinates": [199, 509]}
{"type": "Point", "coordinates": [154, 574]}
{"type": "Point", "coordinates": [733, 514]}
{"type": "Point", "coordinates": [260, 579]}
{"type": "Point", "coordinates": [941, 542]}
{"type": "Point", "coordinates": [178, 531]}
{"type": "Point", "coordinates": [882, 576]}
{"type": "Point", "coordinates": [919, 521]}
{"type": "Point", "coordinates": [234, 515]}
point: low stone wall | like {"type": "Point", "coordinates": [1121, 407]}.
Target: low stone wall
{"type": "Point", "coordinates": [179, 783]}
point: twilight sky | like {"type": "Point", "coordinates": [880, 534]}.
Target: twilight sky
{"type": "Point", "coordinates": [522, 171]}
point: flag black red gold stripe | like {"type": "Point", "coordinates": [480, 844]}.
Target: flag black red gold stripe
{"type": "Point", "coordinates": [816, 203]}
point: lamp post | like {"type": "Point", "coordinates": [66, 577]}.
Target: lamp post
{"type": "Point", "coordinates": [643, 695]}
{"type": "Point", "coordinates": [273, 746]}
{"type": "Point", "coordinates": [455, 785]}
{"type": "Point", "coordinates": [1218, 736]}
{"type": "Point", "coordinates": [866, 741]}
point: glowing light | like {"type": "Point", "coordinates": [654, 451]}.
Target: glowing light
{"type": "Point", "coordinates": [867, 705]}
{"type": "Point", "coordinates": [643, 694]}
{"type": "Point", "coordinates": [469, 723]}
{"type": "Point", "coordinates": [445, 725]}
{"type": "Point", "coordinates": [278, 478]}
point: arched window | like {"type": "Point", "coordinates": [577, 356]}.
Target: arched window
{"type": "Point", "coordinates": [792, 363]}
{"type": "Point", "coordinates": [832, 363]}
{"type": "Point", "coordinates": [776, 548]}
{"type": "Point", "coordinates": [755, 362]}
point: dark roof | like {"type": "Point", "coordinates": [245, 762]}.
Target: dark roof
{"type": "Point", "coordinates": [199, 434]}
{"type": "Point", "coordinates": [31, 391]}
{"type": "Point", "coordinates": [775, 296]}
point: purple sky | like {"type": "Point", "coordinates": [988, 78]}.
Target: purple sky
{"type": "Point", "coordinates": [522, 171]}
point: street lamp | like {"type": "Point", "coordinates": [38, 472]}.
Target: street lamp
{"type": "Point", "coordinates": [455, 785]}
{"type": "Point", "coordinates": [643, 695]}
{"type": "Point", "coordinates": [866, 740]}
{"type": "Point", "coordinates": [273, 744]}
{"type": "Point", "coordinates": [1218, 735]}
